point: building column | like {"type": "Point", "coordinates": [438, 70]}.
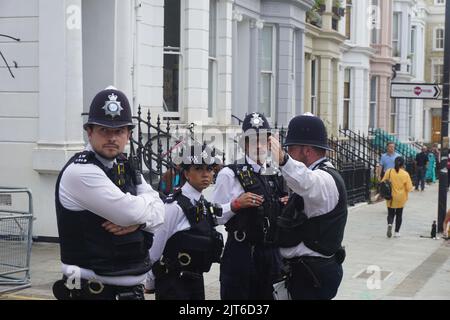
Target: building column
{"type": "Point", "coordinates": [402, 118]}
{"type": "Point", "coordinates": [308, 85]}
{"type": "Point", "coordinates": [326, 85]}
{"type": "Point", "coordinates": [427, 131]}
{"type": "Point", "coordinates": [60, 132]}
{"type": "Point", "coordinates": [284, 77]}
{"type": "Point", "coordinates": [196, 32]}
{"type": "Point", "coordinates": [124, 48]}
{"type": "Point", "coordinates": [336, 96]}
{"type": "Point", "coordinates": [226, 28]}
{"type": "Point", "coordinates": [254, 79]}
{"type": "Point", "coordinates": [384, 103]}
{"type": "Point", "coordinates": [359, 104]}
{"type": "Point", "coordinates": [301, 75]}
{"type": "Point", "coordinates": [237, 16]}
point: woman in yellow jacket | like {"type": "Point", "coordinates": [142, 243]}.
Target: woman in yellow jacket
{"type": "Point", "coordinates": [401, 186]}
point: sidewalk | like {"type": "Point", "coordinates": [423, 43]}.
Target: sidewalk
{"type": "Point", "coordinates": [376, 267]}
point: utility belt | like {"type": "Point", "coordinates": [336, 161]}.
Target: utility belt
{"type": "Point", "coordinates": [242, 236]}
{"type": "Point", "coordinates": [95, 290]}
{"type": "Point", "coordinates": [162, 269]}
{"type": "Point", "coordinates": [309, 264]}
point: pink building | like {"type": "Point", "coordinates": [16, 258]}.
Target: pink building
{"type": "Point", "coordinates": [381, 65]}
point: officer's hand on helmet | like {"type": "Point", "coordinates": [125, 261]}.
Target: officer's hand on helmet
{"type": "Point", "coordinates": [277, 150]}
{"type": "Point", "coordinates": [119, 230]}
{"type": "Point", "coordinates": [247, 200]}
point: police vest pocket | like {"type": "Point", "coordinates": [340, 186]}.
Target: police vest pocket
{"type": "Point", "coordinates": [129, 246]}
{"type": "Point", "coordinates": [289, 227]}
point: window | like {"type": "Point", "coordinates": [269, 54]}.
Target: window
{"type": "Point", "coordinates": [348, 19]}
{"type": "Point", "coordinates": [347, 84]}
{"type": "Point", "coordinates": [412, 51]}
{"type": "Point", "coordinates": [314, 86]}
{"type": "Point", "coordinates": [373, 102]}
{"type": "Point", "coordinates": [437, 73]}
{"type": "Point", "coordinates": [172, 55]}
{"type": "Point", "coordinates": [396, 34]}
{"type": "Point", "coordinates": [267, 101]}
{"type": "Point", "coordinates": [393, 117]}
{"type": "Point", "coordinates": [212, 60]}
{"type": "Point", "coordinates": [438, 39]}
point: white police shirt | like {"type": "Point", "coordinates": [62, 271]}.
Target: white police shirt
{"type": "Point", "coordinates": [319, 192]}
{"type": "Point", "coordinates": [228, 188]}
{"type": "Point", "coordinates": [86, 187]}
{"type": "Point", "coordinates": [175, 221]}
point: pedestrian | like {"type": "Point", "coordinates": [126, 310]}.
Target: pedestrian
{"type": "Point", "coordinates": [401, 185]}
{"type": "Point", "coordinates": [171, 180]}
{"type": "Point", "coordinates": [251, 202]}
{"type": "Point", "coordinates": [430, 174]}
{"type": "Point", "coordinates": [387, 159]}
{"type": "Point", "coordinates": [437, 158]}
{"type": "Point", "coordinates": [421, 164]}
{"type": "Point", "coordinates": [187, 244]}
{"type": "Point", "coordinates": [105, 210]}
{"type": "Point", "coordinates": [311, 228]}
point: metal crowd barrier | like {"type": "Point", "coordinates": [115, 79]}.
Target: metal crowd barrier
{"type": "Point", "coordinates": [15, 241]}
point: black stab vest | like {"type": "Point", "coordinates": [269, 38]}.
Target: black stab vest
{"type": "Point", "coordinates": [197, 248]}
{"type": "Point", "coordinates": [256, 225]}
{"type": "Point", "coordinates": [85, 243]}
{"type": "Point", "coordinates": [323, 234]}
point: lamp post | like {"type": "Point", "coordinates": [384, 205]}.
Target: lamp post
{"type": "Point", "coordinates": [443, 177]}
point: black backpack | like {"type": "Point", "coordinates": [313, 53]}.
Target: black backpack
{"type": "Point", "coordinates": [385, 188]}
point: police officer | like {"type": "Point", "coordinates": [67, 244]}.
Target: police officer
{"type": "Point", "coordinates": [187, 244]}
{"type": "Point", "coordinates": [105, 210]}
{"type": "Point", "coordinates": [251, 203]}
{"type": "Point", "coordinates": [311, 228]}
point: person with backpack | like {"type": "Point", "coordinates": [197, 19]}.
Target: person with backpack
{"type": "Point", "coordinates": [401, 185]}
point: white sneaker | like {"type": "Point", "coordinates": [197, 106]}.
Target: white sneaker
{"type": "Point", "coordinates": [397, 235]}
{"type": "Point", "coordinates": [389, 231]}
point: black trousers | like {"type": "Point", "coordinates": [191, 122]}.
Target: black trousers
{"type": "Point", "coordinates": [397, 214]}
{"type": "Point", "coordinates": [180, 286]}
{"type": "Point", "coordinates": [247, 272]}
{"type": "Point", "coordinates": [314, 278]}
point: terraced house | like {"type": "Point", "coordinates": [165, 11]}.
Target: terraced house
{"type": "Point", "coordinates": [208, 62]}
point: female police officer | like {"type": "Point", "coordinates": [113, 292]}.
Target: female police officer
{"type": "Point", "coordinates": [187, 243]}
{"type": "Point", "coordinates": [105, 210]}
{"type": "Point", "coordinates": [311, 228]}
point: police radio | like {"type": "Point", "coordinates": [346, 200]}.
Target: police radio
{"type": "Point", "coordinates": [134, 163]}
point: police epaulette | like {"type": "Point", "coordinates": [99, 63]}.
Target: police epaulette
{"type": "Point", "coordinates": [173, 196]}
{"type": "Point", "coordinates": [84, 157]}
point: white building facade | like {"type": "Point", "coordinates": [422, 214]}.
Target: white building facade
{"type": "Point", "coordinates": [408, 38]}
{"type": "Point", "coordinates": [355, 68]}
{"type": "Point", "coordinates": [189, 61]}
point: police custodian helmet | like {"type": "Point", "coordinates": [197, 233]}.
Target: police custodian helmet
{"type": "Point", "coordinates": [307, 130]}
{"type": "Point", "coordinates": [255, 121]}
{"type": "Point", "coordinates": [110, 108]}
{"type": "Point", "coordinates": [198, 154]}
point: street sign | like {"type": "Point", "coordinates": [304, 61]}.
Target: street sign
{"type": "Point", "coordinates": [408, 90]}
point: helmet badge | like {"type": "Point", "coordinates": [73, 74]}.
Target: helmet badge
{"type": "Point", "coordinates": [256, 121]}
{"type": "Point", "coordinates": [112, 107]}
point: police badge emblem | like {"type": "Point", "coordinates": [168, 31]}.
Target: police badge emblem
{"type": "Point", "coordinates": [256, 121]}
{"type": "Point", "coordinates": [112, 107]}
